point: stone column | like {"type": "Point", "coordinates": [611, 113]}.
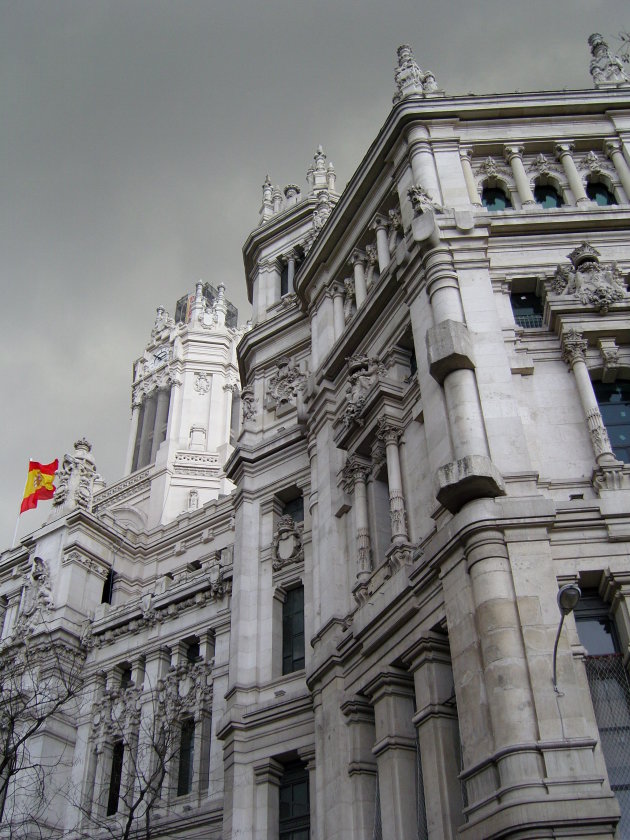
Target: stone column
{"type": "Point", "coordinates": [395, 750]}
{"type": "Point", "coordinates": [574, 354]}
{"type": "Point", "coordinates": [362, 766]}
{"type": "Point", "coordinates": [161, 416]}
{"type": "Point", "coordinates": [266, 819]}
{"type": "Point", "coordinates": [380, 225]}
{"type": "Point", "coordinates": [357, 261]}
{"type": "Point", "coordinates": [423, 163]}
{"type": "Point", "coordinates": [148, 424]}
{"type": "Point", "coordinates": [290, 258]}
{"type": "Point", "coordinates": [438, 735]}
{"type": "Point", "coordinates": [614, 151]}
{"type": "Point", "coordinates": [390, 435]}
{"type": "Point", "coordinates": [514, 156]}
{"type": "Point", "coordinates": [465, 154]}
{"type": "Point", "coordinates": [356, 475]}
{"type": "Point", "coordinates": [564, 153]}
{"type": "Point", "coordinates": [338, 318]}
{"type": "Point", "coordinates": [506, 675]}
{"type": "Point", "coordinates": [133, 432]}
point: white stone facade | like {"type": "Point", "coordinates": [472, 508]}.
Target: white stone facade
{"type": "Point", "coordinates": [356, 597]}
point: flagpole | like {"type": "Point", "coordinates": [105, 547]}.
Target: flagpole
{"type": "Point", "coordinates": [17, 521]}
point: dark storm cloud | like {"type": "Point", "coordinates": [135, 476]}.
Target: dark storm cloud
{"type": "Point", "coordinates": [135, 137]}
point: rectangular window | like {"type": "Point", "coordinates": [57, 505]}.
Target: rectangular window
{"type": "Point", "coordinates": [186, 757]}
{"type": "Point", "coordinates": [115, 777]}
{"type": "Point", "coordinates": [293, 631]}
{"type": "Point", "coordinates": [294, 804]}
{"type": "Point", "coordinates": [527, 309]}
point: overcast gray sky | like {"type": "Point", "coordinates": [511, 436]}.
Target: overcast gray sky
{"type": "Point", "coordinates": [135, 135]}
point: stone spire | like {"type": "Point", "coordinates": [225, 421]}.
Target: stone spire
{"type": "Point", "coordinates": [266, 210]}
{"type": "Point", "coordinates": [606, 67]}
{"type": "Point", "coordinates": [75, 480]}
{"type": "Point", "coordinates": [317, 175]}
{"type": "Point", "coordinates": [410, 79]}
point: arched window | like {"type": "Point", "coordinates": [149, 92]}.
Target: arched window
{"type": "Point", "coordinates": [547, 196]}
{"type": "Point", "coordinates": [494, 199]}
{"type": "Point", "coordinates": [614, 403]}
{"type": "Point", "coordinates": [600, 194]}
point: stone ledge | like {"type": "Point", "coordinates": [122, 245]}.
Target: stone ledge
{"type": "Point", "coordinates": [471, 477]}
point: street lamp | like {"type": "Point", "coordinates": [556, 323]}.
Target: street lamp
{"type": "Point", "coordinates": [568, 596]}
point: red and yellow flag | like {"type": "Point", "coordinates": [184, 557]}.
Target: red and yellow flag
{"type": "Point", "coordinates": [39, 483]}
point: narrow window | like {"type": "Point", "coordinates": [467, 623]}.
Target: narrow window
{"type": "Point", "coordinates": [294, 509]}
{"type": "Point", "coordinates": [527, 309]}
{"type": "Point", "coordinates": [136, 448]}
{"type": "Point", "coordinates": [295, 820]}
{"type": "Point", "coordinates": [115, 777]}
{"type": "Point", "coordinates": [600, 194]}
{"type": "Point", "coordinates": [495, 199]}
{"type": "Point", "coordinates": [547, 196]}
{"type": "Point", "coordinates": [614, 403]}
{"type": "Point", "coordinates": [108, 587]}
{"type": "Point", "coordinates": [125, 678]}
{"type": "Point", "coordinates": [293, 631]}
{"type": "Point", "coordinates": [284, 280]}
{"type": "Point", "coordinates": [610, 692]}
{"type": "Point", "coordinates": [192, 651]}
{"type": "Point", "coordinates": [186, 757]}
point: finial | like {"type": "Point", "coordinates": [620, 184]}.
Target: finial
{"type": "Point", "coordinates": [316, 175]}
{"type": "Point", "coordinates": [606, 68]}
{"type": "Point", "coordinates": [409, 77]}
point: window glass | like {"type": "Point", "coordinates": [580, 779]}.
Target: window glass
{"type": "Point", "coordinates": [186, 757]}
{"type": "Point", "coordinates": [527, 309]}
{"type": "Point", "coordinates": [294, 804]}
{"type": "Point", "coordinates": [547, 196]}
{"type": "Point", "coordinates": [600, 193]}
{"type": "Point", "coordinates": [614, 403]}
{"type": "Point", "coordinates": [596, 635]}
{"type": "Point", "coordinates": [115, 777]}
{"type": "Point", "coordinates": [293, 631]}
{"type": "Point", "coordinates": [494, 199]}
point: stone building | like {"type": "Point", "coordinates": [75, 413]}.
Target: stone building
{"type": "Point", "coordinates": [338, 618]}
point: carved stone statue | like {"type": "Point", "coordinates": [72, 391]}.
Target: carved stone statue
{"type": "Point", "coordinates": [162, 326]}
{"type": "Point", "coordinates": [590, 282]}
{"type": "Point", "coordinates": [421, 201]}
{"type": "Point", "coordinates": [606, 68]}
{"type": "Point", "coordinates": [285, 383]}
{"type": "Point", "coordinates": [364, 373]}
{"type": "Point", "coordinates": [75, 480]}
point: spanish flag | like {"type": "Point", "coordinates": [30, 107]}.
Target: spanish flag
{"type": "Point", "coordinates": [39, 483]}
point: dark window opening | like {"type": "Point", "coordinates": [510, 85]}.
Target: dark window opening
{"type": "Point", "coordinates": [600, 194]}
{"type": "Point", "coordinates": [295, 820]}
{"type": "Point", "coordinates": [614, 403]}
{"type": "Point", "coordinates": [186, 757]}
{"type": "Point", "coordinates": [192, 652]}
{"type": "Point", "coordinates": [125, 678]}
{"type": "Point", "coordinates": [293, 631]}
{"type": "Point", "coordinates": [284, 280]}
{"type": "Point", "coordinates": [527, 309]}
{"type": "Point", "coordinates": [495, 199]}
{"type": "Point", "coordinates": [115, 777]}
{"type": "Point", "coordinates": [294, 509]}
{"type": "Point", "coordinates": [108, 587]}
{"type": "Point", "coordinates": [547, 196]}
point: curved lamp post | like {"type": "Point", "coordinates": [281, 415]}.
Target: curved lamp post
{"type": "Point", "coordinates": [568, 596]}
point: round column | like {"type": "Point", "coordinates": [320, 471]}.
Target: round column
{"type": "Point", "coordinates": [382, 242]}
{"type": "Point", "coordinates": [133, 432]}
{"type": "Point", "coordinates": [161, 417]}
{"type": "Point", "coordinates": [390, 435]}
{"type": "Point", "coordinates": [338, 317]}
{"type": "Point", "coordinates": [514, 156]}
{"type": "Point", "coordinates": [574, 353]}
{"type": "Point", "coordinates": [614, 151]}
{"type": "Point", "coordinates": [357, 260]}
{"type": "Point", "coordinates": [465, 154]}
{"type": "Point", "coordinates": [564, 153]}
{"type": "Point", "coordinates": [423, 163]}
{"type": "Point", "coordinates": [148, 424]}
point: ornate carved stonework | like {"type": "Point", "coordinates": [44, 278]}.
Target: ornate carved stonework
{"type": "Point", "coordinates": [353, 471]}
{"type": "Point", "coordinates": [595, 164]}
{"type": "Point", "coordinates": [162, 327]}
{"type": "Point", "coordinates": [36, 597]}
{"type": "Point", "coordinates": [363, 373]}
{"type": "Point", "coordinates": [75, 479]}
{"type": "Point", "coordinates": [606, 68]}
{"type": "Point", "coordinates": [543, 166]}
{"type": "Point", "coordinates": [287, 543]}
{"type": "Point", "coordinates": [598, 433]}
{"type": "Point", "coordinates": [285, 383]}
{"type": "Point", "coordinates": [396, 230]}
{"type": "Point", "coordinates": [421, 201]}
{"type": "Point", "coordinates": [490, 168]}
{"type": "Point", "coordinates": [372, 272]}
{"type": "Point", "coordinates": [590, 282]}
{"type": "Point", "coordinates": [573, 347]}
{"type": "Point", "coordinates": [348, 299]}
{"type": "Point", "coordinates": [387, 431]}
{"type": "Point", "coordinates": [248, 404]}
{"type": "Point", "coordinates": [201, 383]}
{"type": "Point", "coordinates": [409, 78]}
{"type": "Point", "coordinates": [323, 210]}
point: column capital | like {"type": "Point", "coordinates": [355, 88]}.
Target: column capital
{"type": "Point", "coordinates": [268, 771]}
{"type": "Point", "coordinates": [355, 471]}
{"type": "Point", "coordinates": [388, 431]}
{"type": "Point", "coordinates": [566, 147]}
{"type": "Point", "coordinates": [337, 289]}
{"type": "Point", "coordinates": [465, 152]}
{"type": "Point", "coordinates": [379, 222]}
{"type": "Point", "coordinates": [514, 150]}
{"type": "Point", "coordinates": [358, 256]}
{"type": "Point", "coordinates": [573, 347]}
{"type": "Point", "coordinates": [612, 145]}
